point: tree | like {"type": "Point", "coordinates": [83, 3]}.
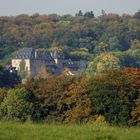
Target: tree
{"type": "Point", "coordinates": [89, 14]}
{"type": "Point", "coordinates": [80, 13]}
{"type": "Point", "coordinates": [112, 96]}
{"type": "Point", "coordinates": [135, 44]}
{"type": "Point", "coordinates": [62, 98]}
{"type": "Point", "coordinates": [81, 53]}
{"type": "Point", "coordinates": [103, 12]}
{"type": "Point", "coordinates": [16, 105]}
{"type": "Point", "coordinates": [7, 78]}
{"type": "Point", "coordinates": [104, 62]}
{"type": "Point", "coordinates": [114, 44]}
{"type": "Point", "coordinates": [78, 103]}
{"type": "Point", "coordinates": [3, 94]}
{"type": "Point", "coordinates": [137, 15]}
{"type": "Point", "coordinates": [101, 47]}
{"type": "Point", "coordinates": [135, 120]}
{"type": "Point", "coordinates": [134, 75]}
{"type": "Point", "coordinates": [135, 57]}
{"type": "Point", "coordinates": [43, 73]}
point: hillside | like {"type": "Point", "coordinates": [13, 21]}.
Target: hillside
{"type": "Point", "coordinates": [82, 36]}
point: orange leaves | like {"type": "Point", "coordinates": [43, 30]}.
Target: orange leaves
{"type": "Point", "coordinates": [65, 97]}
{"type": "Point", "coordinates": [134, 76]}
{"type": "Point", "coordinates": [69, 99]}
{"type": "Point", "coordinates": [78, 27]}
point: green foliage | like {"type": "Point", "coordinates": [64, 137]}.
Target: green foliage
{"type": "Point", "coordinates": [106, 33]}
{"type": "Point", "coordinates": [3, 94]}
{"type": "Point", "coordinates": [135, 57]}
{"type": "Point", "coordinates": [113, 96]}
{"type": "Point", "coordinates": [134, 75]}
{"type": "Point", "coordinates": [7, 59]}
{"type": "Point", "coordinates": [104, 62]}
{"type": "Point", "coordinates": [114, 44]}
{"type": "Point", "coordinates": [82, 99]}
{"type": "Point", "coordinates": [136, 114]}
{"type": "Point", "coordinates": [16, 105]}
{"type": "Point", "coordinates": [80, 54]}
{"type": "Point", "coordinates": [23, 71]}
{"type": "Point", "coordinates": [62, 99]}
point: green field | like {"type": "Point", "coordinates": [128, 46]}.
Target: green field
{"type": "Point", "coordinates": [29, 131]}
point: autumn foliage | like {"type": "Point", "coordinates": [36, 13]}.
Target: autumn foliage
{"type": "Point", "coordinates": [134, 75]}
{"type": "Point", "coordinates": [113, 97]}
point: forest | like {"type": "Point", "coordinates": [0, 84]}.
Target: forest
{"type": "Point", "coordinates": [112, 97]}
{"type": "Point", "coordinates": [80, 37]}
{"type": "Point", "coordinates": [107, 91]}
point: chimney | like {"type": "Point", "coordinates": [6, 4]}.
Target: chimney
{"type": "Point", "coordinates": [35, 54]}
{"type": "Point", "coordinates": [51, 54]}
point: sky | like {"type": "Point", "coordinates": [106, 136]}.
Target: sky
{"type": "Point", "coordinates": [61, 7]}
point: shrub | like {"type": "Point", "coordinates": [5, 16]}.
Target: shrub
{"type": "Point", "coordinates": [16, 105]}
{"type": "Point", "coordinates": [3, 94]}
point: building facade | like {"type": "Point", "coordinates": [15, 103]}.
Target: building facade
{"type": "Point", "coordinates": [28, 63]}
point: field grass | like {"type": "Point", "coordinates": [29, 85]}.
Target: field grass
{"type": "Point", "coordinates": [30, 131]}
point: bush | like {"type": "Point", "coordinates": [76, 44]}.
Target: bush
{"type": "Point", "coordinates": [16, 105]}
{"type": "Point", "coordinates": [3, 94]}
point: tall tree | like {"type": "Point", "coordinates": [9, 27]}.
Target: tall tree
{"type": "Point", "coordinates": [104, 62]}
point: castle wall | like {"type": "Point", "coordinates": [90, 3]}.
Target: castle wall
{"type": "Point", "coordinates": [16, 63]}
{"type": "Point", "coordinates": [32, 65]}
{"type": "Point", "coordinates": [35, 67]}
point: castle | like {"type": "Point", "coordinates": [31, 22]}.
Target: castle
{"type": "Point", "coordinates": [28, 63]}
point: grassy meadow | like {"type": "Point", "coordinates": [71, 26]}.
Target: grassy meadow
{"type": "Point", "coordinates": [30, 131]}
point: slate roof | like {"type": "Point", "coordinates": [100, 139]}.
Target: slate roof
{"type": "Point", "coordinates": [44, 56]}
{"type": "Point", "coordinates": [26, 53]}
{"type": "Point", "coordinates": [30, 53]}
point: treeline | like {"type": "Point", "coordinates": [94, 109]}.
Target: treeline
{"type": "Point", "coordinates": [83, 36]}
{"type": "Point", "coordinates": [113, 97]}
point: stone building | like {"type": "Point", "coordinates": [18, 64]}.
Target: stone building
{"type": "Point", "coordinates": [28, 63]}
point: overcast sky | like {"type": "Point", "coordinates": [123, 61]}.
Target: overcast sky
{"type": "Point", "coordinates": [16, 7]}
